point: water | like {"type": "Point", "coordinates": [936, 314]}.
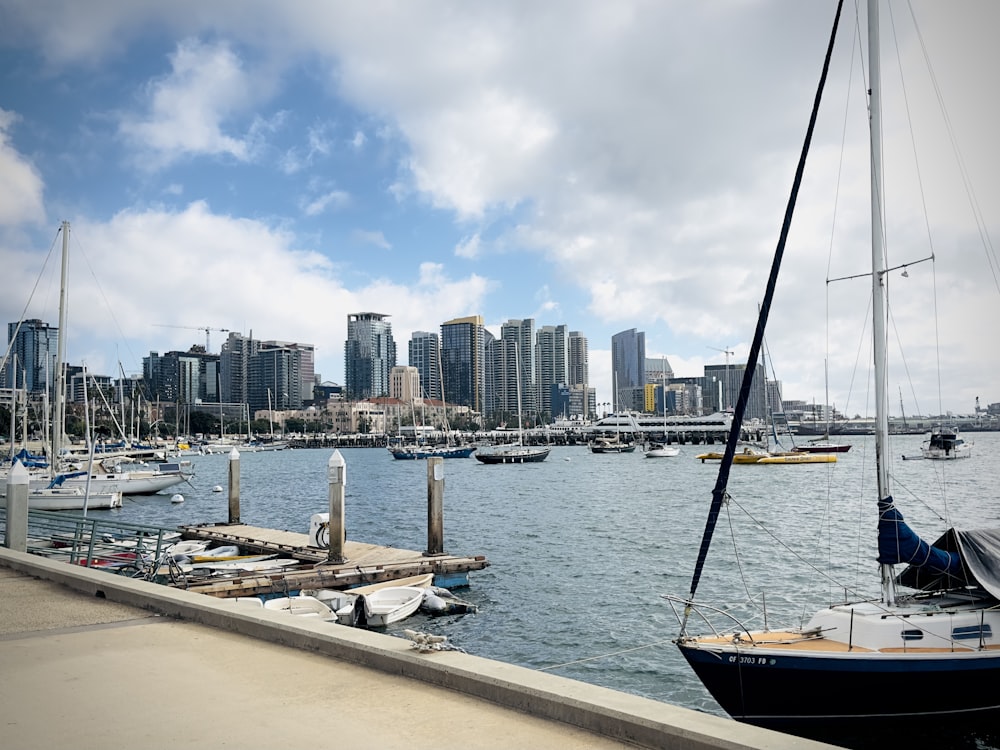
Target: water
{"type": "Point", "coordinates": [582, 546]}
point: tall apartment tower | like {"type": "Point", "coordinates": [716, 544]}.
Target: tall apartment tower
{"type": "Point", "coordinates": [32, 361]}
{"type": "Point", "coordinates": [522, 334]}
{"type": "Point", "coordinates": [234, 368]}
{"type": "Point", "coordinates": [577, 359]}
{"type": "Point", "coordinates": [551, 364]}
{"type": "Point", "coordinates": [463, 354]}
{"type": "Point", "coordinates": [275, 377]}
{"type": "Point", "coordinates": [628, 370]}
{"type": "Point", "coordinates": [369, 355]}
{"type": "Point", "coordinates": [425, 355]}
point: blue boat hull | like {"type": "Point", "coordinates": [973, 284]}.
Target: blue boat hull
{"type": "Point", "coordinates": [789, 692]}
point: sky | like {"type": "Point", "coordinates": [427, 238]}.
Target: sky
{"type": "Point", "coordinates": [270, 168]}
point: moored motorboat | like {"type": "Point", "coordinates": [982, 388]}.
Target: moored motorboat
{"type": "Point", "coordinates": [72, 498]}
{"type": "Point", "coordinates": [661, 450]}
{"type": "Point", "coordinates": [944, 444]}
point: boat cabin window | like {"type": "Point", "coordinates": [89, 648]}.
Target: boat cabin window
{"type": "Point", "coordinates": [984, 632]}
{"type": "Point", "coordinates": [911, 635]}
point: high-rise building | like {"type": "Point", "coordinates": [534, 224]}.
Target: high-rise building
{"type": "Point", "coordinates": [369, 355]}
{"type": "Point", "coordinates": [513, 363]}
{"type": "Point", "coordinates": [32, 361]}
{"type": "Point", "coordinates": [551, 364]}
{"type": "Point", "coordinates": [234, 368]}
{"type": "Point", "coordinates": [424, 350]}
{"type": "Point", "coordinates": [190, 377]}
{"type": "Point", "coordinates": [577, 359]}
{"type": "Point", "coordinates": [721, 385]}
{"type": "Point", "coordinates": [274, 377]}
{"type": "Point", "coordinates": [463, 354]}
{"type": "Point", "coordinates": [628, 370]}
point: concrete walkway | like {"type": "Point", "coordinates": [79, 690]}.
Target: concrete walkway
{"type": "Point", "coordinates": [93, 660]}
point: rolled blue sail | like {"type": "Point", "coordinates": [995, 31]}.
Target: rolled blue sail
{"type": "Point", "coordinates": [898, 543]}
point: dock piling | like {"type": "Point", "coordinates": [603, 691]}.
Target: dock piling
{"type": "Point", "coordinates": [337, 475]}
{"type": "Point", "coordinates": [234, 486]}
{"type": "Point", "coordinates": [16, 534]}
{"type": "Point", "coordinates": [435, 506]}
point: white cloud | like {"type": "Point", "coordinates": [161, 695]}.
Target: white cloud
{"type": "Point", "coordinates": [21, 188]}
{"type": "Point", "coordinates": [469, 247]}
{"type": "Point", "coordinates": [187, 110]}
{"type": "Point", "coordinates": [333, 200]}
{"type": "Point", "coordinates": [286, 292]}
{"type": "Point", "coordinates": [375, 238]}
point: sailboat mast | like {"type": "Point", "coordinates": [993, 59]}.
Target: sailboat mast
{"type": "Point", "coordinates": [59, 414]}
{"type": "Point", "coordinates": [878, 281]}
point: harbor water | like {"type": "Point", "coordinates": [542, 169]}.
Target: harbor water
{"type": "Point", "coordinates": [584, 546]}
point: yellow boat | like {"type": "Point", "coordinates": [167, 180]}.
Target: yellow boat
{"type": "Point", "coordinates": [799, 458]}
{"type": "Point", "coordinates": [747, 456]}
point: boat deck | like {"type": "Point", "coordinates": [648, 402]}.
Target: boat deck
{"type": "Point", "coordinates": [782, 640]}
{"type": "Point", "coordinates": [365, 563]}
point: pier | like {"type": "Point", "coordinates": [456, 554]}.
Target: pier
{"type": "Point", "coordinates": [364, 563]}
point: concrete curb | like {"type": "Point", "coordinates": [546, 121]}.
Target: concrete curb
{"type": "Point", "coordinates": [624, 717]}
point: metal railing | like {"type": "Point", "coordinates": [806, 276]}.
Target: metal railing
{"type": "Point", "coordinates": [115, 546]}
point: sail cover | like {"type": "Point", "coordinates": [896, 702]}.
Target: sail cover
{"type": "Point", "coordinates": [959, 558]}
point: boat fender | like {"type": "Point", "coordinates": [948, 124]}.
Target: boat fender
{"type": "Point", "coordinates": [433, 604]}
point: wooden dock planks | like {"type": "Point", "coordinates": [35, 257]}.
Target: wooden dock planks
{"type": "Point", "coordinates": [366, 563]}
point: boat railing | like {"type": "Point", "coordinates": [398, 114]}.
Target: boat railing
{"type": "Point", "coordinates": [744, 627]}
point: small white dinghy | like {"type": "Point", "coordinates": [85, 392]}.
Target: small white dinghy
{"type": "Point", "coordinates": [381, 607]}
{"type": "Point", "coordinates": [301, 606]}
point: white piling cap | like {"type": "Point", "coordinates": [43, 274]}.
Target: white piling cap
{"type": "Point", "coordinates": [18, 474]}
{"type": "Point", "coordinates": [336, 468]}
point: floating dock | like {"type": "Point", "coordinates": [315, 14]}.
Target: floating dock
{"type": "Point", "coordinates": [363, 564]}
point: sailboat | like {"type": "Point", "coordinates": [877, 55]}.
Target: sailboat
{"type": "Point", "coordinates": [823, 444]}
{"type": "Point", "coordinates": [663, 450]}
{"type": "Point", "coordinates": [519, 453]}
{"type": "Point", "coordinates": [618, 443]}
{"type": "Point", "coordinates": [418, 449]}
{"type": "Point", "coordinates": [106, 481]}
{"type": "Point", "coordinates": [934, 653]}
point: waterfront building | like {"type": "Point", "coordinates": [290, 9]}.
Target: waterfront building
{"type": "Point", "coordinates": [517, 356]}
{"type": "Point", "coordinates": [722, 386]}
{"type": "Point", "coordinates": [369, 355]}
{"type": "Point", "coordinates": [404, 384]}
{"type": "Point", "coordinates": [189, 377]}
{"type": "Point", "coordinates": [234, 367]}
{"type": "Point", "coordinates": [424, 350]}
{"type": "Point", "coordinates": [463, 358]}
{"type": "Point", "coordinates": [577, 359]}
{"type": "Point", "coordinates": [32, 360]}
{"type": "Point", "coordinates": [274, 377]}
{"type": "Point", "coordinates": [551, 365]}
{"type": "Point", "coordinates": [628, 370]}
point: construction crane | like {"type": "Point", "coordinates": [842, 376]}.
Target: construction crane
{"type": "Point", "coordinates": [727, 386]}
{"type": "Point", "coordinates": [206, 329]}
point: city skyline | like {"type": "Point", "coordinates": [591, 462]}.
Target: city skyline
{"type": "Point", "coordinates": [603, 166]}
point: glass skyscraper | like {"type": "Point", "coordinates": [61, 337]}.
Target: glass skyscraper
{"type": "Point", "coordinates": [369, 355]}
{"type": "Point", "coordinates": [628, 370]}
{"type": "Point", "coordinates": [32, 361]}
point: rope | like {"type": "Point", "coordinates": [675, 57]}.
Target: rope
{"type": "Point", "coordinates": [604, 656]}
